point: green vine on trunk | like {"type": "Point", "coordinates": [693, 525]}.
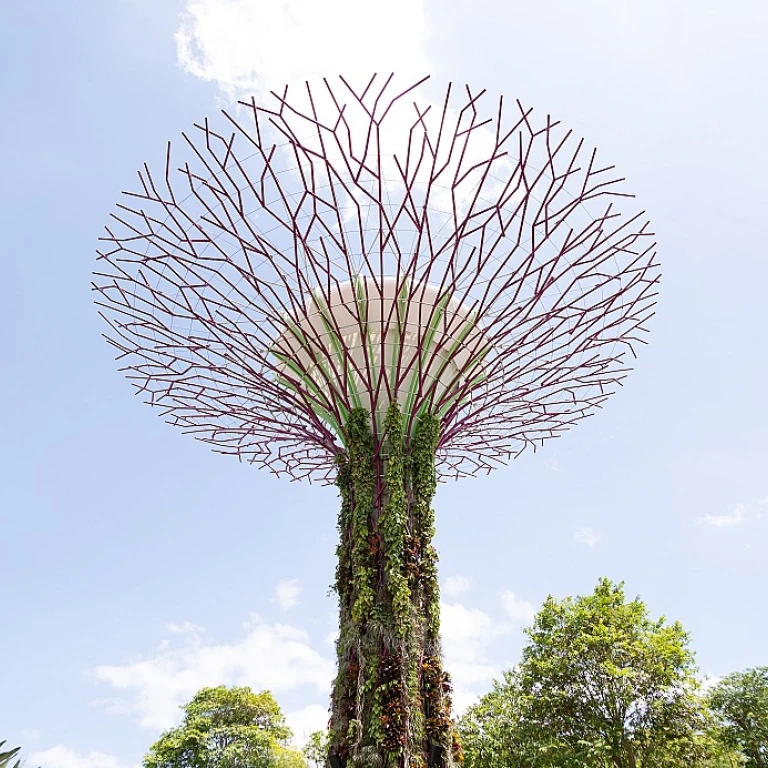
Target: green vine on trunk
{"type": "Point", "coordinates": [393, 521]}
{"type": "Point", "coordinates": [424, 479]}
{"type": "Point", "coordinates": [391, 697]}
{"type": "Point", "coordinates": [345, 684]}
{"type": "Point", "coordinates": [393, 716]}
{"type": "Point", "coordinates": [436, 686]}
{"type": "Point", "coordinates": [363, 484]}
{"type": "Point", "coordinates": [343, 579]}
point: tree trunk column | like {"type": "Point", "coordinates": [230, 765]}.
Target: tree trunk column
{"type": "Point", "coordinates": [391, 702]}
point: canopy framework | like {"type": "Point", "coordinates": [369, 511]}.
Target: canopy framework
{"type": "Point", "coordinates": [214, 263]}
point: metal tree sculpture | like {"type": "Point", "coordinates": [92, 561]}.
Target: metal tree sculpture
{"type": "Point", "coordinates": [365, 289]}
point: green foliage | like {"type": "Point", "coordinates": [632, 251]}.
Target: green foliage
{"type": "Point", "coordinates": [423, 448]}
{"type": "Point", "coordinates": [356, 585]}
{"type": "Point", "coordinates": [424, 482]}
{"type": "Point", "coordinates": [6, 757]}
{"type": "Point", "coordinates": [608, 683]}
{"type": "Point", "coordinates": [600, 684]}
{"type": "Point", "coordinates": [227, 728]}
{"type": "Point", "coordinates": [362, 478]}
{"type": "Point", "coordinates": [385, 709]}
{"type": "Point", "coordinates": [316, 749]}
{"type": "Point", "coordinates": [392, 714]}
{"type": "Point", "coordinates": [714, 754]}
{"type": "Point", "coordinates": [437, 689]}
{"type": "Point", "coordinates": [372, 698]}
{"type": "Point", "coordinates": [392, 525]}
{"type": "Point", "coordinates": [343, 582]}
{"type": "Point", "coordinates": [739, 704]}
{"type": "Point", "coordinates": [492, 731]}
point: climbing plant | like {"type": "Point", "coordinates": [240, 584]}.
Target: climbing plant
{"type": "Point", "coordinates": [362, 479]}
{"type": "Point", "coordinates": [391, 699]}
{"type": "Point", "coordinates": [394, 520]}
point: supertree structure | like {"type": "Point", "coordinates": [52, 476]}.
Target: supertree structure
{"type": "Point", "coordinates": [366, 287]}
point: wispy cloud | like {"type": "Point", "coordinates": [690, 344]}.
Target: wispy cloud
{"type": "Point", "coordinates": [281, 658]}
{"type": "Point", "coordinates": [588, 536]}
{"type": "Point", "coordinates": [185, 628]}
{"type": "Point", "coordinates": [304, 721]}
{"type": "Point", "coordinates": [708, 682]}
{"type": "Point", "coordinates": [273, 656]}
{"type": "Point", "coordinates": [741, 514]}
{"type": "Point", "coordinates": [520, 611]}
{"type": "Point", "coordinates": [552, 464]}
{"type": "Point", "coordinates": [737, 517]}
{"type": "Point", "coordinates": [467, 635]}
{"type": "Point", "coordinates": [287, 593]}
{"type": "Point", "coordinates": [454, 586]}
{"type": "Point", "coordinates": [332, 635]}
{"type": "Point", "coordinates": [254, 46]}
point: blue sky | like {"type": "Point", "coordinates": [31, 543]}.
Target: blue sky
{"type": "Point", "coordinates": [138, 565]}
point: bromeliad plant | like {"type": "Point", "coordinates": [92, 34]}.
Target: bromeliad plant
{"type": "Point", "coordinates": [391, 699]}
{"type": "Point", "coordinates": [7, 756]}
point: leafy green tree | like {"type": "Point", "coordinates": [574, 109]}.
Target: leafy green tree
{"type": "Point", "coordinates": [227, 728]}
{"type": "Point", "coordinates": [719, 755]}
{"type": "Point", "coordinates": [493, 731]}
{"type": "Point", "coordinates": [739, 702]}
{"type": "Point", "coordinates": [600, 685]}
{"type": "Point", "coordinates": [316, 749]}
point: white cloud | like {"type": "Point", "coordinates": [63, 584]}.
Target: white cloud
{"type": "Point", "coordinates": [454, 586]}
{"type": "Point", "coordinates": [274, 656]}
{"type": "Point", "coordinates": [64, 757]}
{"type": "Point", "coordinates": [251, 47]}
{"type": "Point", "coordinates": [287, 593]}
{"type": "Point", "coordinates": [280, 658]}
{"type": "Point", "coordinates": [307, 720]}
{"type": "Point", "coordinates": [737, 517]}
{"type": "Point", "coordinates": [30, 734]}
{"type": "Point", "coordinates": [708, 682]}
{"type": "Point", "coordinates": [742, 513]}
{"type": "Point", "coordinates": [552, 464]}
{"type": "Point", "coordinates": [588, 536]}
{"type": "Point", "coordinates": [255, 46]}
{"type": "Point", "coordinates": [467, 634]}
{"type": "Point", "coordinates": [185, 628]}
{"type": "Point", "coordinates": [519, 611]}
{"type": "Point", "coordinates": [332, 620]}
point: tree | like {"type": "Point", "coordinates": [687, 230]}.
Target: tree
{"type": "Point", "coordinates": [316, 749]}
{"type": "Point", "coordinates": [739, 702]}
{"type": "Point", "coordinates": [493, 732]}
{"type": "Point", "coordinates": [600, 685]}
{"type": "Point", "coordinates": [227, 728]}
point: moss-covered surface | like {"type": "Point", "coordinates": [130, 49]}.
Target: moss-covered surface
{"type": "Point", "coordinates": [391, 697]}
